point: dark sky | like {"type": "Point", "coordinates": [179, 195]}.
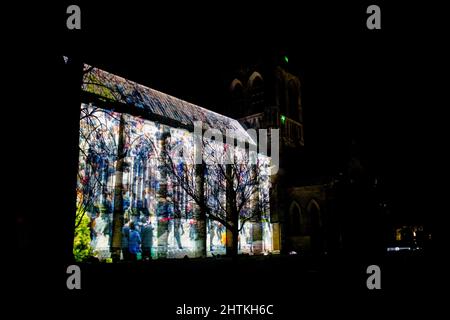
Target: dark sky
{"type": "Point", "coordinates": [381, 88]}
{"type": "Point", "coordinates": [369, 86]}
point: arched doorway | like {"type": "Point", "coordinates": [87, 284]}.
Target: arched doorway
{"type": "Point", "coordinates": [299, 228]}
{"type": "Point", "coordinates": [314, 213]}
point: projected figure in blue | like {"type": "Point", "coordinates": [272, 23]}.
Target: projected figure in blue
{"type": "Point", "coordinates": [157, 187]}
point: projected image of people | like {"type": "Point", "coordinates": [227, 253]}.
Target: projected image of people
{"type": "Point", "coordinates": [141, 195]}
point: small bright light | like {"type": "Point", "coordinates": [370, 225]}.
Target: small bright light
{"type": "Point", "coordinates": [286, 59]}
{"type": "Point", "coordinates": [283, 119]}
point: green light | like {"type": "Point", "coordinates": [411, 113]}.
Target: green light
{"type": "Point", "coordinates": [286, 59]}
{"type": "Point", "coordinates": [283, 119]}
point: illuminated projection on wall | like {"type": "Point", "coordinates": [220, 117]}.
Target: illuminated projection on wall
{"type": "Point", "coordinates": [141, 195]}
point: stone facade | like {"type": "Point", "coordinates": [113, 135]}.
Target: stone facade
{"type": "Point", "coordinates": [269, 96]}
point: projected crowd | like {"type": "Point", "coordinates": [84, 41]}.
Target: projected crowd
{"type": "Point", "coordinates": [126, 186]}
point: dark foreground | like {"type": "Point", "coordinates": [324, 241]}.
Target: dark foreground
{"type": "Point", "coordinates": [295, 285]}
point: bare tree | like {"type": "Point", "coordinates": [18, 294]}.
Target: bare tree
{"type": "Point", "coordinates": [98, 145]}
{"type": "Point", "coordinates": [97, 148]}
{"type": "Point", "coordinates": [224, 191]}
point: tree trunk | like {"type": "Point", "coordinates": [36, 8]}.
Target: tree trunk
{"type": "Point", "coordinates": [232, 242]}
{"type": "Point", "coordinates": [257, 226]}
{"type": "Point", "coordinates": [162, 212]}
{"type": "Point", "coordinates": [232, 217]}
{"type": "Point", "coordinates": [118, 196]}
{"type": "Point", "coordinates": [199, 212]}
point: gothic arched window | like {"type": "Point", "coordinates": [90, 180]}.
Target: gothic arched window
{"type": "Point", "coordinates": [256, 90]}
{"type": "Point", "coordinates": [238, 106]}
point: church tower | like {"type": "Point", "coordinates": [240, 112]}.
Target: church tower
{"type": "Point", "coordinates": [266, 95]}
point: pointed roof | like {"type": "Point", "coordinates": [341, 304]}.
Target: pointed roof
{"type": "Point", "coordinates": [111, 87]}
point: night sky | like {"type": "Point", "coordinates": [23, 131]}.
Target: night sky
{"type": "Point", "coordinates": [379, 88]}
{"type": "Point", "coordinates": [372, 87]}
{"type": "Point", "coordinates": [357, 85]}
